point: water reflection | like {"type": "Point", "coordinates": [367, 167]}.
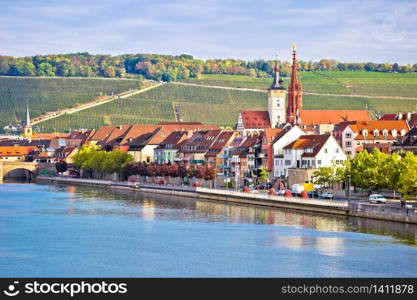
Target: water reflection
{"type": "Point", "coordinates": [152, 206]}
{"type": "Point", "coordinates": [328, 246]}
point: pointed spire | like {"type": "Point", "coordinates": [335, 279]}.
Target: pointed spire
{"type": "Point", "coordinates": [27, 114]}
{"type": "Point", "coordinates": [295, 101]}
{"type": "Point", "coordinates": [277, 82]}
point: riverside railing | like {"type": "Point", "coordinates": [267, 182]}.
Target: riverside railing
{"type": "Point", "coordinates": [300, 201]}
{"type": "Point", "coordinates": [331, 203]}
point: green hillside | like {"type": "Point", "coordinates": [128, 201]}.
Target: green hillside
{"type": "Point", "coordinates": [329, 82]}
{"type": "Point", "coordinates": [208, 105]}
{"type": "Point", "coordinates": [197, 103]}
{"type": "Point", "coordinates": [52, 94]}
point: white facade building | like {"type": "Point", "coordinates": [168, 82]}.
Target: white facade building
{"type": "Point", "coordinates": [310, 151]}
{"type": "Point", "coordinates": [278, 148]}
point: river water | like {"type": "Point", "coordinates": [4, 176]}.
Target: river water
{"type": "Point", "coordinates": [72, 231]}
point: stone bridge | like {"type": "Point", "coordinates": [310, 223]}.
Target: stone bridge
{"type": "Point", "coordinates": [8, 166]}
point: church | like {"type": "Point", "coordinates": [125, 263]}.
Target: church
{"type": "Point", "coordinates": [281, 112]}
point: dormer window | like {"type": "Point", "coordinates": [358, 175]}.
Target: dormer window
{"type": "Point", "coordinates": [402, 132]}
{"type": "Point", "coordinates": [376, 133]}
{"type": "Point", "coordinates": [365, 133]}
{"type": "Point", "coordinates": [394, 133]}
{"type": "Point", "coordinates": [385, 133]}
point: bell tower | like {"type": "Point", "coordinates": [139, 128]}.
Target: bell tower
{"type": "Point", "coordinates": [276, 100]}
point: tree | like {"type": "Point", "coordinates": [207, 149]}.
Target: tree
{"type": "Point", "coordinates": [263, 175]}
{"type": "Point", "coordinates": [328, 175]}
{"type": "Point", "coordinates": [392, 171]}
{"type": "Point", "coordinates": [324, 176]}
{"type": "Point", "coordinates": [407, 184]}
{"type": "Point", "coordinates": [45, 69]}
{"type": "Point", "coordinates": [94, 159]}
{"type": "Point", "coordinates": [61, 166]}
{"type": "Point", "coordinates": [209, 174]}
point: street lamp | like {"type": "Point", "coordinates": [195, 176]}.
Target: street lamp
{"type": "Point", "coordinates": [349, 186]}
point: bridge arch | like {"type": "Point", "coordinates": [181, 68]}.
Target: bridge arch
{"type": "Point", "coordinates": [7, 167]}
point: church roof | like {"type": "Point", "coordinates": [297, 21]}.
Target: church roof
{"type": "Point", "coordinates": [314, 117]}
{"type": "Point", "coordinates": [256, 119]}
{"type": "Point", "coordinates": [277, 82]}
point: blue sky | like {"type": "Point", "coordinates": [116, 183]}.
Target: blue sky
{"type": "Point", "coordinates": [378, 31]}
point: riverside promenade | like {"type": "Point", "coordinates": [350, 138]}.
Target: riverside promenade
{"type": "Point", "coordinates": [335, 207]}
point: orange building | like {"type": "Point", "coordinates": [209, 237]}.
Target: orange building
{"type": "Point", "coordinates": [15, 153]}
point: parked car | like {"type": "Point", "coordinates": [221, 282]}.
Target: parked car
{"type": "Point", "coordinates": [376, 198]}
{"type": "Point", "coordinates": [327, 195]}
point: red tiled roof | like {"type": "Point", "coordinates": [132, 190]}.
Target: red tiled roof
{"type": "Point", "coordinates": [315, 142]}
{"type": "Point", "coordinates": [165, 130]}
{"type": "Point", "coordinates": [116, 134]}
{"type": "Point", "coordinates": [135, 132]}
{"type": "Point", "coordinates": [48, 136]}
{"type": "Point", "coordinates": [314, 117]}
{"type": "Point", "coordinates": [15, 150]}
{"type": "Point", "coordinates": [387, 117]}
{"type": "Point", "coordinates": [180, 123]}
{"type": "Point", "coordinates": [173, 139]}
{"type": "Point", "coordinates": [272, 133]}
{"type": "Point", "coordinates": [222, 140]}
{"type": "Point", "coordinates": [412, 118]}
{"type": "Point", "coordinates": [102, 133]}
{"type": "Point", "coordinates": [379, 125]}
{"type": "Point", "coordinates": [255, 119]}
{"type": "Point", "coordinates": [200, 141]}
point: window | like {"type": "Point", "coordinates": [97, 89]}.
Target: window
{"type": "Point", "coordinates": [337, 150]}
{"type": "Point", "coordinates": [319, 162]}
{"type": "Point", "coordinates": [288, 162]}
{"type": "Point", "coordinates": [325, 150]}
{"type": "Point", "coordinates": [348, 144]}
{"type": "Point", "coordinates": [348, 135]}
{"type": "Point", "coordinates": [348, 152]}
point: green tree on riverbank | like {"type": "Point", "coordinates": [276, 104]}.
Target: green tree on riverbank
{"type": "Point", "coordinates": [378, 170]}
{"type": "Point", "coordinates": [99, 162]}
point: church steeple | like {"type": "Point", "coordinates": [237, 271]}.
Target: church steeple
{"type": "Point", "coordinates": [295, 101]}
{"type": "Point", "coordinates": [27, 114]}
{"type": "Point", "coordinates": [27, 130]}
{"type": "Point", "coordinates": [276, 99]}
{"type": "Point", "coordinates": [277, 82]}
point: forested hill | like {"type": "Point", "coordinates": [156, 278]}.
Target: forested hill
{"type": "Point", "coordinates": [168, 67]}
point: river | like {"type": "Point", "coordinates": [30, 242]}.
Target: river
{"type": "Point", "coordinates": [74, 231]}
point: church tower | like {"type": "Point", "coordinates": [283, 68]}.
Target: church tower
{"type": "Point", "coordinates": [276, 100]}
{"type": "Point", "coordinates": [295, 100]}
{"type": "Point", "coordinates": [27, 130]}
